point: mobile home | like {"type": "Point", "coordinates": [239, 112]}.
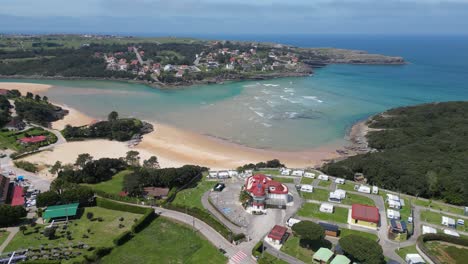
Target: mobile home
{"type": "Point", "coordinates": [375, 190]}
{"type": "Point", "coordinates": [447, 221]}
{"type": "Point", "coordinates": [323, 177]}
{"type": "Point", "coordinates": [364, 189]}
{"type": "Point", "coordinates": [307, 188]}
{"type": "Point", "coordinates": [339, 180]}
{"type": "Point", "coordinates": [326, 208]}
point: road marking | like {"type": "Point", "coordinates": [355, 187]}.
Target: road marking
{"type": "Point", "coordinates": [238, 257]}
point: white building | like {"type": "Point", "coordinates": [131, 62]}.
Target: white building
{"type": "Point", "coordinates": [394, 204]}
{"type": "Point", "coordinates": [223, 174]}
{"type": "Point", "coordinates": [364, 189]}
{"type": "Point", "coordinates": [414, 259]}
{"type": "Point", "coordinates": [309, 175]}
{"type": "Point", "coordinates": [339, 180]}
{"type": "Point", "coordinates": [337, 196]}
{"type": "Point", "coordinates": [285, 172]}
{"type": "Point", "coordinates": [428, 230]}
{"type": "Point", "coordinates": [292, 221]}
{"type": "Point", "coordinates": [375, 190]}
{"type": "Point", "coordinates": [213, 174]}
{"type": "Point", "coordinates": [326, 208]}
{"type": "Point", "coordinates": [451, 233]}
{"type": "Point", "coordinates": [307, 188]}
{"type": "Point", "coordinates": [232, 173]}
{"type": "Point", "coordinates": [323, 177]}
{"type": "Point", "coordinates": [392, 214]}
{"type": "Point", "coordinates": [297, 173]}
{"type": "Point", "coordinates": [447, 221]}
{"type": "Point", "coordinates": [393, 197]}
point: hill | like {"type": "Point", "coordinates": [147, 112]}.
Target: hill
{"type": "Point", "coordinates": [421, 150]}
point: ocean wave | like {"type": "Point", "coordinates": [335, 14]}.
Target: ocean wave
{"type": "Point", "coordinates": [289, 90]}
{"type": "Point", "coordinates": [289, 100]}
{"type": "Point", "coordinates": [270, 85]}
{"type": "Point", "coordinates": [267, 125]}
{"type": "Point", "coordinates": [313, 98]}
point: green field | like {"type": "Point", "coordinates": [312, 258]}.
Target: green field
{"type": "Point", "coordinates": [192, 197]}
{"type": "Point", "coordinates": [292, 248]}
{"type": "Point", "coordinates": [113, 185]}
{"type": "Point", "coordinates": [9, 139]}
{"type": "Point", "coordinates": [346, 232]}
{"type": "Point", "coordinates": [306, 180]}
{"type": "Point", "coordinates": [318, 194]}
{"type": "Point", "coordinates": [447, 253]}
{"type": "Point", "coordinates": [324, 183]}
{"type": "Point", "coordinates": [312, 210]}
{"type": "Point", "coordinates": [352, 198]}
{"type": "Point", "coordinates": [438, 206]}
{"type": "Point", "coordinates": [270, 259]}
{"type": "Point", "coordinates": [272, 172]}
{"type": "Point", "coordinates": [164, 241]}
{"type": "Point", "coordinates": [406, 250]}
{"type": "Point", "coordinates": [436, 219]}
{"type": "Point", "coordinates": [284, 179]}
{"type": "Point", "coordinates": [3, 236]}
{"type": "Point", "coordinates": [348, 186]}
{"type": "Point", "coordinates": [100, 234]}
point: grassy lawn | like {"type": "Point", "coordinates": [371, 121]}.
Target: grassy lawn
{"type": "Point", "coordinates": [438, 206]}
{"type": "Point", "coordinates": [406, 250]}
{"type": "Point", "coordinates": [447, 253]}
{"type": "Point", "coordinates": [292, 248]}
{"type": "Point", "coordinates": [346, 232]}
{"type": "Point", "coordinates": [357, 199]}
{"type": "Point", "coordinates": [101, 233]}
{"type": "Point", "coordinates": [348, 186]}
{"type": "Point", "coordinates": [270, 259]}
{"type": "Point", "coordinates": [3, 236]}
{"type": "Point", "coordinates": [312, 210]}
{"type": "Point", "coordinates": [306, 180]}
{"type": "Point", "coordinates": [436, 219]}
{"type": "Point", "coordinates": [192, 197]}
{"type": "Point", "coordinates": [164, 241]}
{"type": "Point", "coordinates": [324, 183]}
{"type": "Point", "coordinates": [318, 194]}
{"type": "Point", "coordinates": [284, 179]}
{"type": "Point", "coordinates": [268, 172]}
{"type": "Point", "coordinates": [9, 139]}
{"type": "Point", "coordinates": [113, 185]}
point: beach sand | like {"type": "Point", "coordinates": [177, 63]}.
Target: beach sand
{"type": "Point", "coordinates": [172, 146]}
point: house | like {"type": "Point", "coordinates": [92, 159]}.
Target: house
{"type": "Point", "coordinates": [323, 255]}
{"type": "Point", "coordinates": [375, 190]}
{"type": "Point", "coordinates": [414, 259]}
{"type": "Point", "coordinates": [428, 230]}
{"type": "Point", "coordinates": [32, 140]}
{"type": "Point", "coordinates": [307, 188]}
{"type": "Point", "coordinates": [339, 180]}
{"type": "Point", "coordinates": [365, 215]}
{"type": "Point", "coordinates": [297, 173]}
{"type": "Point", "coordinates": [179, 74]}
{"type": "Point", "coordinates": [229, 67]}
{"type": "Point", "coordinates": [451, 233]}
{"type": "Point", "coordinates": [359, 177]}
{"type": "Point", "coordinates": [330, 229]}
{"type": "Point", "coordinates": [264, 190]}
{"type": "Point", "coordinates": [337, 196]}
{"type": "Point", "coordinates": [323, 177]}
{"type": "Point", "coordinates": [16, 124]}
{"type": "Point", "coordinates": [277, 235]}
{"type": "Point", "coordinates": [292, 221]}
{"type": "Point", "coordinates": [340, 259]}
{"type": "Point", "coordinates": [168, 67]}
{"type": "Point", "coordinates": [364, 189]}
{"type": "Point", "coordinates": [398, 227]}
{"type": "Point", "coordinates": [4, 187]}
{"type": "Point", "coordinates": [392, 214]}
{"type": "Point", "coordinates": [447, 221]}
{"type": "Point", "coordinates": [326, 208]}
{"type": "Point", "coordinates": [17, 198]}
{"type": "Point", "coordinates": [309, 175]}
{"type": "Point", "coordinates": [156, 192]}
{"type": "Point", "coordinates": [285, 172]}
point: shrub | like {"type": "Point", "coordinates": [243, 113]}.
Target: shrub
{"type": "Point", "coordinates": [361, 249]}
{"type": "Point", "coordinates": [25, 165]}
{"type": "Point", "coordinates": [112, 205]}
{"type": "Point", "coordinates": [49, 232]}
{"type": "Point", "coordinates": [89, 215]}
{"type": "Point", "coordinates": [144, 221]}
{"type": "Point", "coordinates": [97, 254]}
{"type": "Point", "coordinates": [122, 238]}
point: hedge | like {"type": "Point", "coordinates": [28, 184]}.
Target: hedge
{"type": "Point", "coordinates": [116, 197]}
{"type": "Point", "coordinates": [122, 238]}
{"type": "Point", "coordinates": [97, 254]}
{"type": "Point", "coordinates": [41, 261]}
{"type": "Point", "coordinates": [112, 205]}
{"type": "Point", "coordinates": [144, 221]}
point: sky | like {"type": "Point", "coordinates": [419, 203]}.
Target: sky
{"type": "Point", "coordinates": [235, 16]}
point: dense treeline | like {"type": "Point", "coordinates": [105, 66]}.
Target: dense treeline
{"type": "Point", "coordinates": [37, 110]}
{"type": "Point", "coordinates": [64, 193]}
{"type": "Point", "coordinates": [114, 129]}
{"type": "Point", "coordinates": [169, 177]}
{"type": "Point", "coordinates": [92, 171]}
{"type": "Point", "coordinates": [5, 115]}
{"type": "Point", "coordinates": [274, 163]}
{"type": "Point", "coordinates": [10, 215]}
{"type": "Point", "coordinates": [423, 151]}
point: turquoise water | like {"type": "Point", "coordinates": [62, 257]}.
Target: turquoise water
{"type": "Point", "coordinates": [291, 113]}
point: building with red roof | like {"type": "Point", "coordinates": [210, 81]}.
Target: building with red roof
{"type": "Point", "coordinates": [17, 198]}
{"type": "Point", "coordinates": [277, 235]}
{"type": "Point", "coordinates": [265, 191]}
{"type": "Point", "coordinates": [32, 140]}
{"type": "Point", "coordinates": [365, 215]}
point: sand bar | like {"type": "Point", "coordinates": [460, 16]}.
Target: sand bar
{"type": "Point", "coordinates": [34, 88]}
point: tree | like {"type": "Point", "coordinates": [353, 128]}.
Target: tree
{"type": "Point", "coordinates": [45, 99]}
{"type": "Point", "coordinates": [113, 116]}
{"type": "Point", "coordinates": [23, 228]}
{"type": "Point", "coordinates": [49, 232]}
{"type": "Point", "coordinates": [132, 158]}
{"type": "Point", "coordinates": [56, 167]}
{"type": "Point", "coordinates": [311, 234]}
{"type": "Point", "coordinates": [83, 159]}
{"type": "Point", "coordinates": [29, 95]}
{"type": "Point", "coordinates": [47, 198]}
{"type": "Point", "coordinates": [152, 163]}
{"type": "Point", "coordinates": [361, 249]}
{"type": "Point", "coordinates": [10, 215]}
{"type": "Point", "coordinates": [37, 98]}
{"type": "Point", "coordinates": [275, 163]}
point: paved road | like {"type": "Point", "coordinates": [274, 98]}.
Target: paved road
{"type": "Point", "coordinates": [283, 256]}
{"type": "Point", "coordinates": [140, 60]}
{"type": "Point", "coordinates": [207, 205]}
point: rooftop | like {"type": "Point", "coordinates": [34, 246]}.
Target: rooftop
{"type": "Point", "coordinates": [365, 213]}
{"type": "Point", "coordinates": [340, 259]}
{"type": "Point", "coordinates": [34, 139]}
{"type": "Point", "coordinates": [278, 232]}
{"type": "Point", "coordinates": [18, 198]}
{"type": "Point", "coordinates": [323, 254]}
{"type": "Point", "coordinates": [60, 211]}
{"type": "Point", "coordinates": [260, 184]}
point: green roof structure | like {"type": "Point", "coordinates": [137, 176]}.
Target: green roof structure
{"type": "Point", "coordinates": [57, 211]}
{"type": "Point", "coordinates": [323, 255]}
{"type": "Point", "coordinates": [340, 259]}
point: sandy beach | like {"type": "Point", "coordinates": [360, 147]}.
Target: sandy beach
{"type": "Point", "coordinates": [172, 146]}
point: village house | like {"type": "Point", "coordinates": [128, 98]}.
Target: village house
{"type": "Point", "coordinates": [265, 191]}
{"type": "Point", "coordinates": [32, 140]}
{"type": "Point", "coordinates": [277, 235]}
{"type": "Point", "coordinates": [365, 215]}
{"type": "Point", "coordinates": [156, 192]}
{"type": "Point", "coordinates": [179, 74]}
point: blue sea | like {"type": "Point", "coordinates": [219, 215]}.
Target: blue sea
{"type": "Point", "coordinates": [291, 113]}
